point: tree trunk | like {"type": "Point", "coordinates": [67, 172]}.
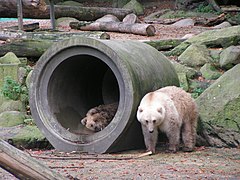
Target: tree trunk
{"type": "Point", "coordinates": [10, 6]}
{"type": "Point", "coordinates": [136, 28]}
{"type": "Point", "coordinates": [24, 166]}
{"type": "Point", "coordinates": [164, 44]}
{"type": "Point", "coordinates": [34, 44]}
{"type": "Point", "coordinates": [80, 13]}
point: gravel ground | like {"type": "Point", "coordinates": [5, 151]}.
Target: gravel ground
{"type": "Point", "coordinates": [204, 163]}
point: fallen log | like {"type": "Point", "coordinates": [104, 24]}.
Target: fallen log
{"type": "Point", "coordinates": [54, 36]}
{"type": "Point", "coordinates": [135, 28]}
{"type": "Point", "coordinates": [78, 12]}
{"type": "Point", "coordinates": [26, 27]}
{"type": "Point", "coordinates": [164, 44]}
{"type": "Point", "coordinates": [10, 6]}
{"type": "Point", "coordinates": [34, 44]}
{"type": "Point", "coordinates": [22, 165]}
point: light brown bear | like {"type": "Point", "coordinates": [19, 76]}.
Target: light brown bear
{"type": "Point", "coordinates": [172, 111]}
{"type": "Point", "coordinates": [99, 117]}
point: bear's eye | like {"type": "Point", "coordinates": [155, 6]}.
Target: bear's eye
{"type": "Point", "coordinates": [154, 121]}
{"type": "Point", "coordinates": [91, 125]}
{"type": "Point", "coordinates": [146, 121]}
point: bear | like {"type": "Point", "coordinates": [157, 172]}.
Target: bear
{"type": "Point", "coordinates": [172, 111]}
{"type": "Point", "coordinates": [99, 117]}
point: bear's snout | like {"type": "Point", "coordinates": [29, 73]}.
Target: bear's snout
{"type": "Point", "coordinates": [151, 131]}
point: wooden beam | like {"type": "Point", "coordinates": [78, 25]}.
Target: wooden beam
{"type": "Point", "coordinates": [23, 166]}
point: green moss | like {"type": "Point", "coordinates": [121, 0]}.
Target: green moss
{"type": "Point", "coordinates": [29, 136]}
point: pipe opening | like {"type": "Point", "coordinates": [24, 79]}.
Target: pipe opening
{"type": "Point", "coordinates": [78, 84]}
{"type": "Point", "coordinates": [227, 2]}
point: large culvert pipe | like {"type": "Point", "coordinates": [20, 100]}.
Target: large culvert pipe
{"type": "Point", "coordinates": [217, 4]}
{"type": "Point", "coordinates": [75, 75]}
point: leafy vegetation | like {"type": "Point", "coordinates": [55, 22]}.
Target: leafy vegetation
{"type": "Point", "coordinates": [202, 8]}
{"type": "Point", "coordinates": [11, 89]}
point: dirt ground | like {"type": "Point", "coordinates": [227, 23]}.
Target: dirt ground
{"type": "Point", "coordinates": [204, 163]}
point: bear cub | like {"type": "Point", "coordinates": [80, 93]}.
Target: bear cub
{"type": "Point", "coordinates": [172, 111]}
{"type": "Point", "coordinates": [99, 117]}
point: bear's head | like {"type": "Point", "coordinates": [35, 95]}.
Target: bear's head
{"type": "Point", "coordinates": [151, 117]}
{"type": "Point", "coordinates": [96, 121]}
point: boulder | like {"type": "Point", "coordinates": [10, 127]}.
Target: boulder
{"type": "Point", "coordinates": [11, 105]}
{"type": "Point", "coordinates": [70, 3]}
{"type": "Point", "coordinates": [183, 81]}
{"type": "Point", "coordinates": [135, 6]}
{"type": "Point", "coordinates": [180, 68]}
{"type": "Point", "coordinates": [9, 58]}
{"type": "Point", "coordinates": [108, 18]}
{"type": "Point", "coordinates": [28, 78]}
{"type": "Point", "coordinates": [215, 55]}
{"type": "Point", "coordinates": [229, 57]}
{"type": "Point", "coordinates": [195, 55]}
{"type": "Point", "coordinates": [11, 118]}
{"type": "Point", "coordinates": [24, 136]}
{"type": "Point", "coordinates": [9, 67]}
{"type": "Point", "coordinates": [184, 23]}
{"type": "Point", "coordinates": [224, 37]}
{"type": "Point", "coordinates": [64, 21]}
{"type": "Point", "coordinates": [222, 25]}
{"type": "Point", "coordinates": [219, 110]}
{"type": "Point", "coordinates": [29, 137]}
{"type": "Point", "coordinates": [209, 72]}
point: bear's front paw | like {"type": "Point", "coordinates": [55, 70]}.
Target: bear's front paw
{"type": "Point", "coordinates": [187, 149]}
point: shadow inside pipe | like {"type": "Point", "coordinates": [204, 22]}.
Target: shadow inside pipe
{"type": "Point", "coordinates": [228, 2]}
{"type": "Point", "coordinates": [78, 84]}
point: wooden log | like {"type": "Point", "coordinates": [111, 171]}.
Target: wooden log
{"type": "Point", "coordinates": [23, 166]}
{"type": "Point", "coordinates": [136, 28]}
{"type": "Point", "coordinates": [164, 44]}
{"type": "Point", "coordinates": [80, 13]}
{"type": "Point", "coordinates": [26, 27]}
{"type": "Point", "coordinates": [10, 6]}
{"type": "Point", "coordinates": [34, 44]}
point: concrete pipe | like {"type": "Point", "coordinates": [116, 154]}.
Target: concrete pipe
{"type": "Point", "coordinates": [75, 75]}
{"type": "Point", "coordinates": [216, 4]}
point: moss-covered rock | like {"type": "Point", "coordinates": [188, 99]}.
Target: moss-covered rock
{"type": "Point", "coordinates": [11, 105]}
{"type": "Point", "coordinates": [64, 21]}
{"type": "Point", "coordinates": [229, 57]}
{"type": "Point", "coordinates": [209, 72]}
{"type": "Point", "coordinates": [219, 107]}
{"type": "Point", "coordinates": [11, 118]}
{"type": "Point", "coordinates": [70, 3]}
{"type": "Point", "coordinates": [135, 6]}
{"type": "Point", "coordinates": [9, 58]}
{"type": "Point", "coordinates": [195, 55]}
{"type": "Point", "coordinates": [215, 55]}
{"type": "Point", "coordinates": [221, 37]}
{"type": "Point", "coordinates": [183, 81]}
{"type": "Point", "coordinates": [29, 137]}
{"type": "Point", "coordinates": [180, 68]}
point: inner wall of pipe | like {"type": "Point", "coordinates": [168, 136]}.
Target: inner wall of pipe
{"type": "Point", "coordinates": [227, 2]}
{"type": "Point", "coordinates": [78, 84]}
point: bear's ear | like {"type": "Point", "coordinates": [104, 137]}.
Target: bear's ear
{"type": "Point", "coordinates": [92, 111]}
{"type": "Point", "coordinates": [160, 110]}
{"type": "Point", "coordinates": [140, 109]}
{"type": "Point", "coordinates": [84, 121]}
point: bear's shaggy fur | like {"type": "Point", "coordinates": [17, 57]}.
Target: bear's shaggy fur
{"type": "Point", "coordinates": [99, 117]}
{"type": "Point", "coordinates": [172, 111]}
